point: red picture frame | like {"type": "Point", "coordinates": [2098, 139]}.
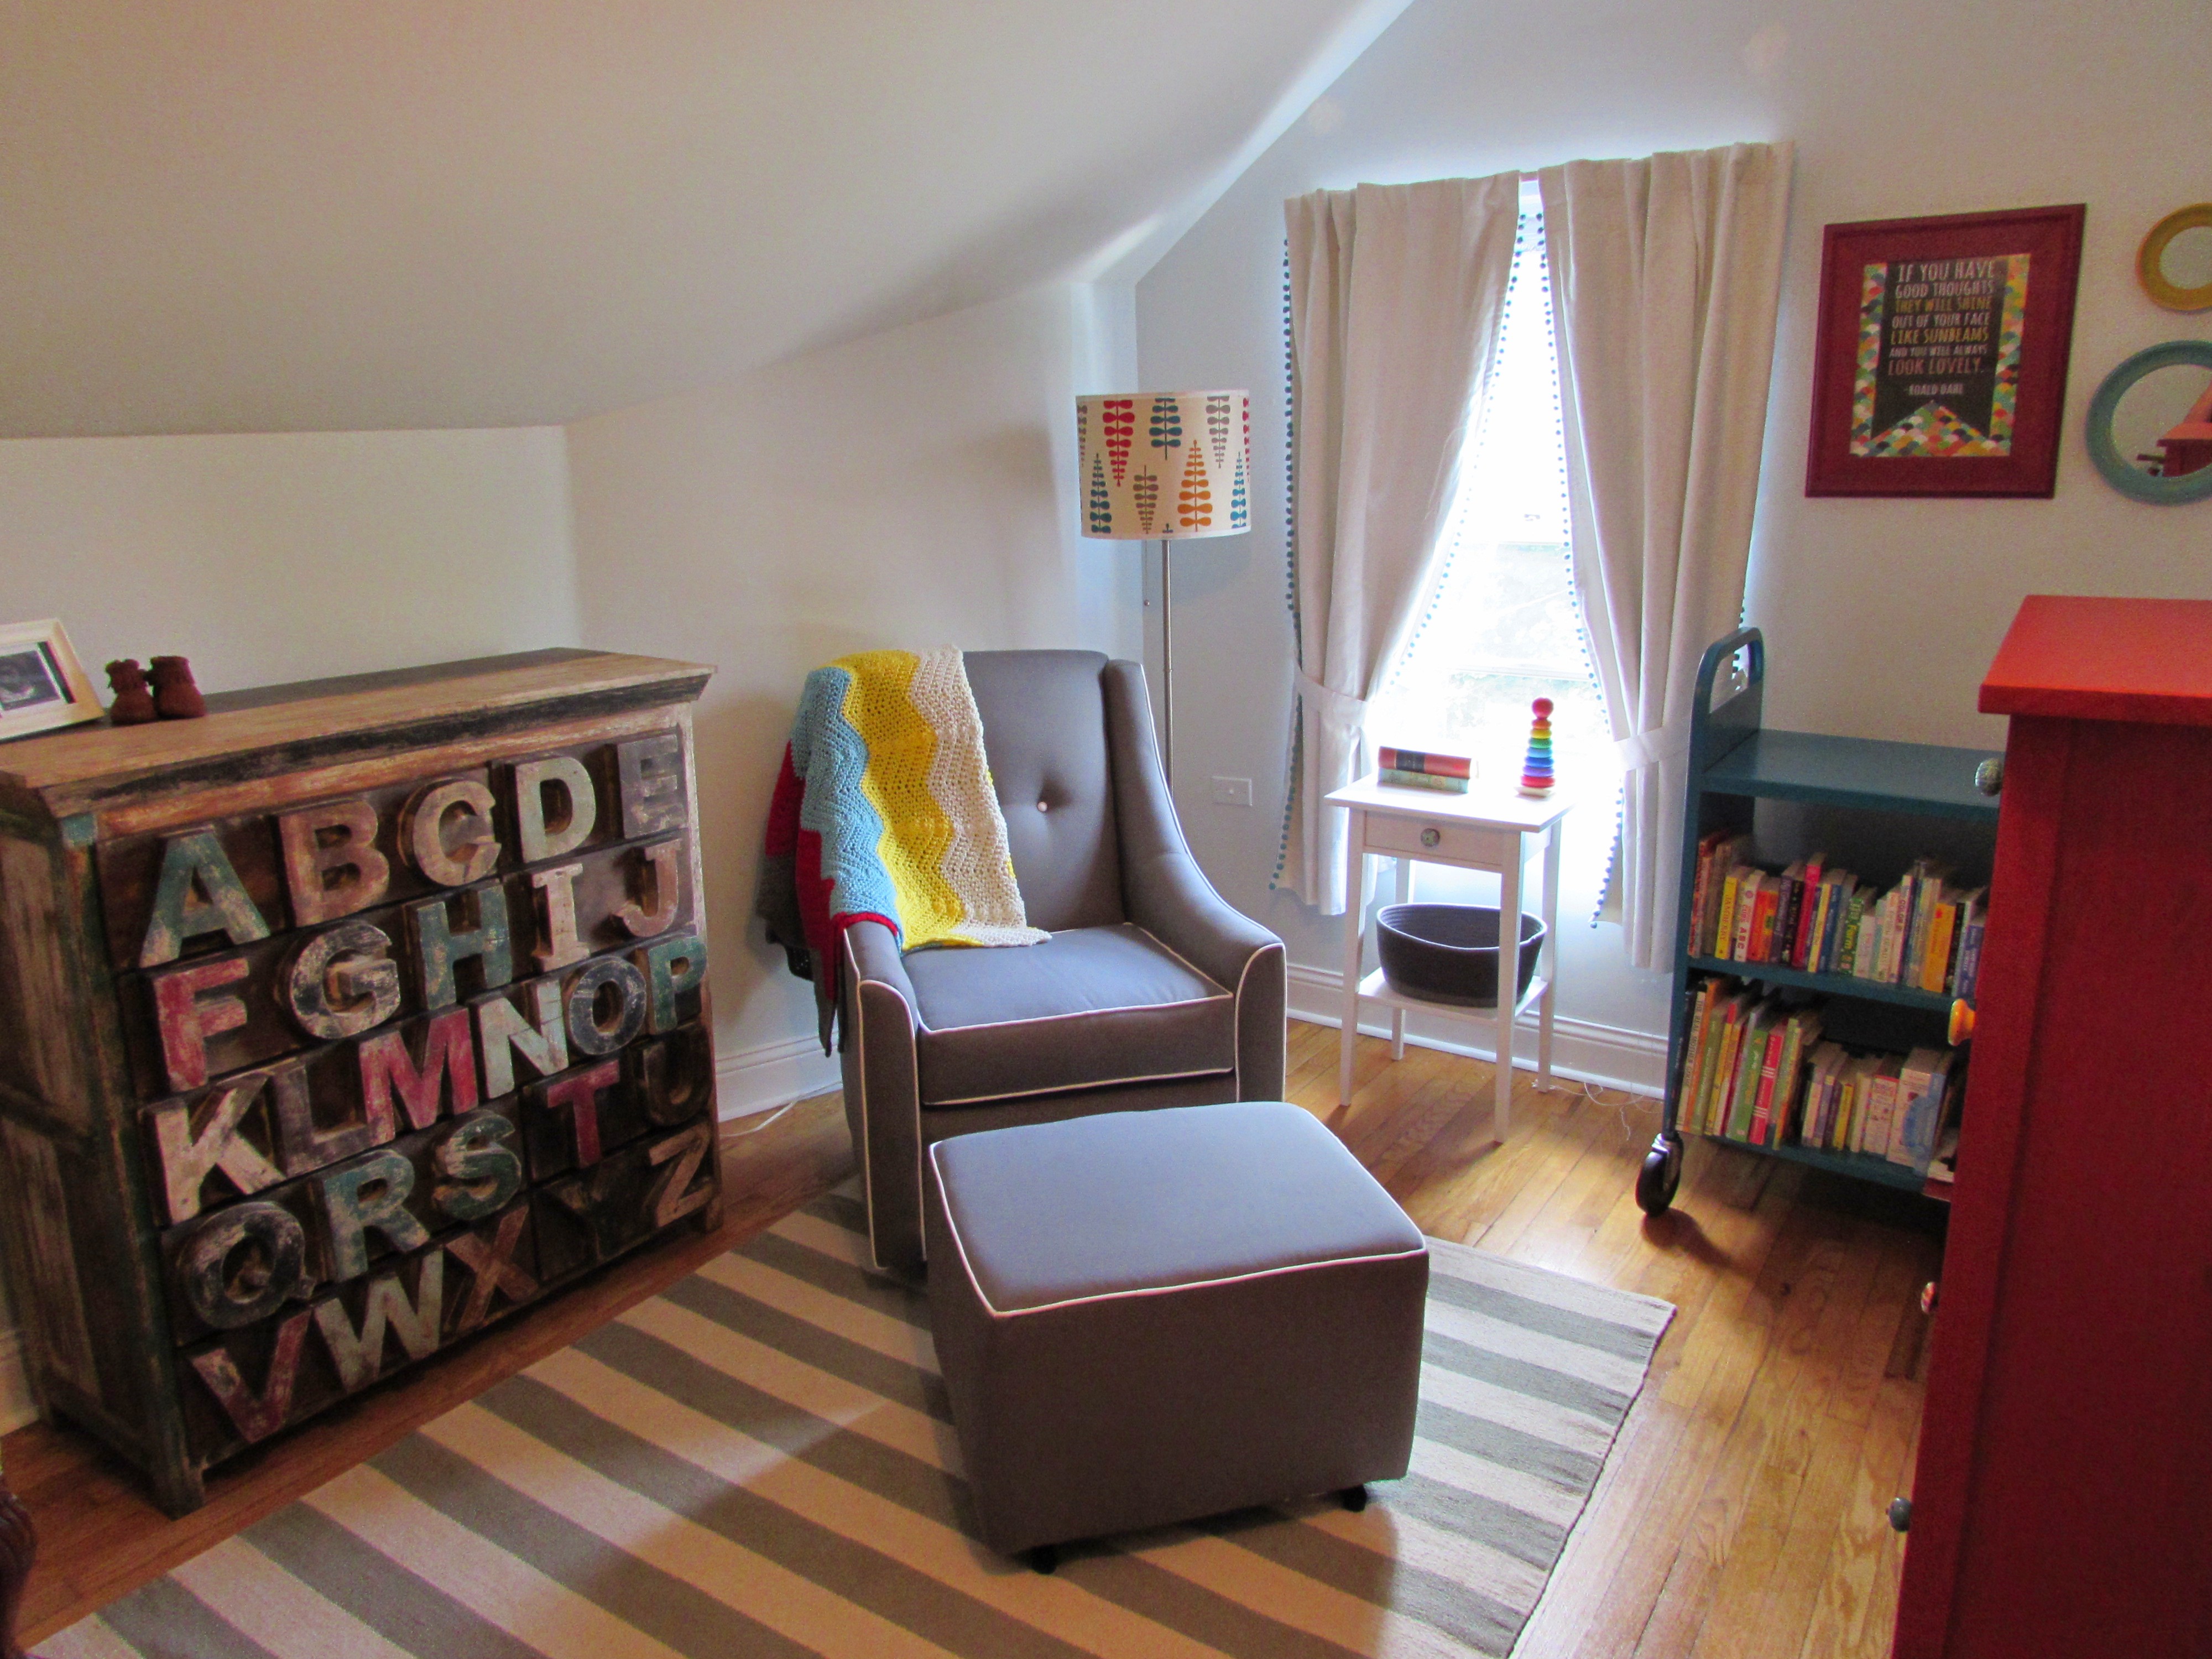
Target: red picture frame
{"type": "Point", "coordinates": [1940, 366]}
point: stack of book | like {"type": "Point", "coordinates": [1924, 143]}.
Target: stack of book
{"type": "Point", "coordinates": [1757, 1069]}
{"type": "Point", "coordinates": [1741, 1071]}
{"type": "Point", "coordinates": [1417, 769]}
{"type": "Point", "coordinates": [1924, 933]}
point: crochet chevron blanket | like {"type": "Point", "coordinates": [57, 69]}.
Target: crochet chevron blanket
{"type": "Point", "coordinates": [884, 811]}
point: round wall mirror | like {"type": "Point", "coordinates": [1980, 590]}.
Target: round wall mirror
{"type": "Point", "coordinates": [2150, 424]}
{"type": "Point", "coordinates": [2175, 261]}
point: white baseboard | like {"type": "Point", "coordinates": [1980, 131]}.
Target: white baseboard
{"type": "Point", "coordinates": [1607, 1057]}
{"type": "Point", "coordinates": [773, 1074]}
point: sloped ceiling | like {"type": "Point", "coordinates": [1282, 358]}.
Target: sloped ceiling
{"type": "Point", "coordinates": [318, 214]}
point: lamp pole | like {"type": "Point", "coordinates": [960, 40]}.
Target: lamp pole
{"type": "Point", "coordinates": [1167, 662]}
{"type": "Point", "coordinates": [1170, 465]}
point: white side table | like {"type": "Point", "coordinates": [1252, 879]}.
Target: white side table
{"type": "Point", "coordinates": [1489, 828]}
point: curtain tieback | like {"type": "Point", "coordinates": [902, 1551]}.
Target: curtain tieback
{"type": "Point", "coordinates": [1334, 708]}
{"type": "Point", "coordinates": [1665, 743]}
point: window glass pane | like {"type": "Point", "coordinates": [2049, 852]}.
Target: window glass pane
{"type": "Point", "coordinates": [1501, 626]}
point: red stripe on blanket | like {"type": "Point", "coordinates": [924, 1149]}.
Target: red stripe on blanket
{"type": "Point", "coordinates": [845, 918]}
{"type": "Point", "coordinates": [814, 903]}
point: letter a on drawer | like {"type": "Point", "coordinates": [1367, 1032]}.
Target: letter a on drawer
{"type": "Point", "coordinates": [198, 893]}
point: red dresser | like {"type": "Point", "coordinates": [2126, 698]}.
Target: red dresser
{"type": "Point", "coordinates": [2063, 1500]}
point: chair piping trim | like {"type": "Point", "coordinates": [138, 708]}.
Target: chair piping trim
{"type": "Point", "coordinates": [1245, 975]}
{"type": "Point", "coordinates": [1086, 1013]}
{"type": "Point", "coordinates": [968, 1267]}
{"type": "Point", "coordinates": [1196, 972]}
{"type": "Point", "coordinates": [1078, 1088]}
{"type": "Point", "coordinates": [861, 1037]}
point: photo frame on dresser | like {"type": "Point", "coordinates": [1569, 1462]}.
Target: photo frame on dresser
{"type": "Point", "coordinates": [42, 684]}
{"type": "Point", "coordinates": [1939, 365]}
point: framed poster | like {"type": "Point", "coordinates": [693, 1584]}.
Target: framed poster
{"type": "Point", "coordinates": [42, 685]}
{"type": "Point", "coordinates": [1941, 363]}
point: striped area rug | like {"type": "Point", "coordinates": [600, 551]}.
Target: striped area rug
{"type": "Point", "coordinates": [761, 1461]}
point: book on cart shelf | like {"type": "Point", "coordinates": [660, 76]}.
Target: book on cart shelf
{"type": "Point", "coordinates": [1758, 1070]}
{"type": "Point", "coordinates": [1923, 933]}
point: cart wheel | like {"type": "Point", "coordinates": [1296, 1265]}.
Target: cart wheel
{"type": "Point", "coordinates": [1660, 1174]}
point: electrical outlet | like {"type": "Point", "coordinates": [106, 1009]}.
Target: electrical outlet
{"type": "Point", "coordinates": [1232, 791]}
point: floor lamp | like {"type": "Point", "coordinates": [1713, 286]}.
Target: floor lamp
{"type": "Point", "coordinates": [1170, 465]}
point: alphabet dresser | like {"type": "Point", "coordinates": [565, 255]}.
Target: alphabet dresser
{"type": "Point", "coordinates": [338, 1025]}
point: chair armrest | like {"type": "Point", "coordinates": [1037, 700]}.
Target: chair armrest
{"type": "Point", "coordinates": [1163, 889]}
{"type": "Point", "coordinates": [883, 1083]}
{"type": "Point", "coordinates": [873, 956]}
{"type": "Point", "coordinates": [1164, 892]}
{"type": "Point", "coordinates": [1169, 897]}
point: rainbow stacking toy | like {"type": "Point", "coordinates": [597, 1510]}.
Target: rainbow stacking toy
{"type": "Point", "coordinates": [1536, 769]}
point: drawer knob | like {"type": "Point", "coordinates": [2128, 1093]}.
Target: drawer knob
{"type": "Point", "coordinates": [1900, 1514]}
{"type": "Point", "coordinates": [1430, 835]}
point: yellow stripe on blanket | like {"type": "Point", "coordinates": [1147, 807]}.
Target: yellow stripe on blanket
{"type": "Point", "coordinates": [944, 842]}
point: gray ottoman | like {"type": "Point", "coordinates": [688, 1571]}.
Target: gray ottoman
{"type": "Point", "coordinates": [1145, 1317]}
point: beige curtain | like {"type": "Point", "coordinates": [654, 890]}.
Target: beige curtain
{"type": "Point", "coordinates": [1664, 277]}
{"type": "Point", "coordinates": [1397, 292]}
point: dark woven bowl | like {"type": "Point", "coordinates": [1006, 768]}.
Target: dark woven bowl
{"type": "Point", "coordinates": [1448, 952]}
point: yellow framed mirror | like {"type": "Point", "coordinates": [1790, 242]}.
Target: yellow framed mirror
{"type": "Point", "coordinates": [2175, 261]}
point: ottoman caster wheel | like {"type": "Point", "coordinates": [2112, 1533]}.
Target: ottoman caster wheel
{"type": "Point", "coordinates": [1353, 1499]}
{"type": "Point", "coordinates": [1043, 1559]}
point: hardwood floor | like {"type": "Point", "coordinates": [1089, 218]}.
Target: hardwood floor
{"type": "Point", "coordinates": [1742, 1510]}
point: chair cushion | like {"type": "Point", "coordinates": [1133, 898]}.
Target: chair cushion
{"type": "Point", "coordinates": [1090, 1007]}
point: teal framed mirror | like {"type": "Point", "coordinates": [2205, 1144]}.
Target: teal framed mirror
{"type": "Point", "coordinates": [2149, 429]}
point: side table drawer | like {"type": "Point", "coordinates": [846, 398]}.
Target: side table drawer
{"type": "Point", "coordinates": [1438, 839]}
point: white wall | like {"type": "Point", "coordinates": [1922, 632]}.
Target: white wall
{"type": "Point", "coordinates": [294, 556]}
{"type": "Point", "coordinates": [272, 558]}
{"type": "Point", "coordinates": [911, 489]}
{"type": "Point", "coordinates": [1880, 616]}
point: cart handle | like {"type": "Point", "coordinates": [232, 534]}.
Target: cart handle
{"type": "Point", "coordinates": [1718, 652]}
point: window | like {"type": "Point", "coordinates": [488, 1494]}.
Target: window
{"type": "Point", "coordinates": [1501, 626]}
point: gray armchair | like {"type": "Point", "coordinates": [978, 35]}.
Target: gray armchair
{"type": "Point", "coordinates": [1151, 991]}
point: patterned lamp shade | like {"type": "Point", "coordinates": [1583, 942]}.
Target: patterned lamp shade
{"type": "Point", "coordinates": [1165, 464]}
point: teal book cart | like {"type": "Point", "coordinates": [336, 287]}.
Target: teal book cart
{"type": "Point", "coordinates": [1877, 803]}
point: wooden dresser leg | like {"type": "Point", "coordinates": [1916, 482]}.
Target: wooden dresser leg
{"type": "Point", "coordinates": [18, 1546]}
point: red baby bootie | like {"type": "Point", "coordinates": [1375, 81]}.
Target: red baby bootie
{"type": "Point", "coordinates": [134, 703]}
{"type": "Point", "coordinates": [175, 696]}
